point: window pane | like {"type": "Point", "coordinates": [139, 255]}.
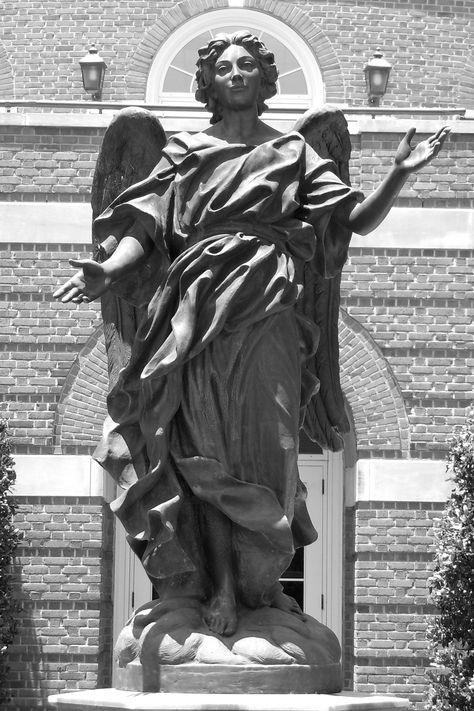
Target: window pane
{"type": "Point", "coordinates": [294, 83]}
{"type": "Point", "coordinates": [307, 446]}
{"type": "Point", "coordinates": [284, 59]}
{"type": "Point", "coordinates": [187, 56]}
{"type": "Point", "coordinates": [176, 81]}
{"type": "Point", "coordinates": [295, 589]}
{"type": "Point", "coordinates": [231, 29]}
{"type": "Point", "coordinates": [296, 567]}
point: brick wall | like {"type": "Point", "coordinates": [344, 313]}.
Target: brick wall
{"type": "Point", "coordinates": [392, 562]}
{"type": "Point", "coordinates": [429, 43]}
{"type": "Point", "coordinates": [445, 183]}
{"type": "Point", "coordinates": [418, 305]}
{"type": "Point", "coordinates": [36, 161]}
{"type": "Point", "coordinates": [63, 580]}
{"type": "Point", "coordinates": [40, 339]}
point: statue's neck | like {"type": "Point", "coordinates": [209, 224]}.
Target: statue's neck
{"type": "Point", "coordinates": [242, 127]}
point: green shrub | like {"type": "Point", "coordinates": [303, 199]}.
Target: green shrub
{"type": "Point", "coordinates": [452, 586]}
{"type": "Point", "coordinates": [9, 538]}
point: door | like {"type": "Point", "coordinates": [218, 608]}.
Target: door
{"type": "Point", "coordinates": [322, 562]}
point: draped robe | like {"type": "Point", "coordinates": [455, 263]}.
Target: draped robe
{"type": "Point", "coordinates": [209, 407]}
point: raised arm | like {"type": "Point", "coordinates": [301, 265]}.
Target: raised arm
{"type": "Point", "coordinates": [367, 215]}
{"type": "Point", "coordinates": [94, 278]}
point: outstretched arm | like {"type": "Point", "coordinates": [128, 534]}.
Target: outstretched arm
{"type": "Point", "coordinates": [368, 215]}
{"type": "Point", "coordinates": [93, 279]}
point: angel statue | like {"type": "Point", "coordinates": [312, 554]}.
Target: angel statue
{"type": "Point", "coordinates": [218, 261]}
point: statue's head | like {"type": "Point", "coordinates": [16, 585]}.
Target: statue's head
{"type": "Point", "coordinates": [208, 57]}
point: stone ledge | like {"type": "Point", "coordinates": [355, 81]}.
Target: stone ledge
{"type": "Point", "coordinates": [115, 700]}
{"type": "Point", "coordinates": [232, 679]}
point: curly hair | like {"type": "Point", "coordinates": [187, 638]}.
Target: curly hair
{"type": "Point", "coordinates": [208, 57]}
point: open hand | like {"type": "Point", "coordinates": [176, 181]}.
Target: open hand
{"type": "Point", "coordinates": [411, 159]}
{"type": "Point", "coordinates": [90, 282]}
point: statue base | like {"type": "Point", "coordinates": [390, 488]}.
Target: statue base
{"type": "Point", "coordinates": [117, 700]}
{"type": "Point", "coordinates": [231, 678]}
{"type": "Point", "coordinates": [167, 647]}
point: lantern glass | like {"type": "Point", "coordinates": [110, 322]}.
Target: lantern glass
{"type": "Point", "coordinates": [93, 71]}
{"type": "Point", "coordinates": [378, 81]}
{"type": "Point", "coordinates": [377, 72]}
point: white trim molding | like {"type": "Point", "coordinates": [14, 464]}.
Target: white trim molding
{"type": "Point", "coordinates": [46, 222]}
{"type": "Point", "coordinates": [422, 228]}
{"type": "Point", "coordinates": [404, 227]}
{"type": "Point", "coordinates": [60, 475]}
{"type": "Point", "coordinates": [402, 480]}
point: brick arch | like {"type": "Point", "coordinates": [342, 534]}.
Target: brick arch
{"type": "Point", "coordinates": [371, 389]}
{"type": "Point", "coordinates": [465, 97]}
{"type": "Point", "coordinates": [82, 407]}
{"type": "Point", "coordinates": [298, 19]}
{"type": "Point", "coordinates": [373, 393]}
{"type": "Point", "coordinates": [7, 84]}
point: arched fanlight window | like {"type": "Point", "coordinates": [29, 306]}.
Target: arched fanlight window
{"type": "Point", "coordinates": [171, 77]}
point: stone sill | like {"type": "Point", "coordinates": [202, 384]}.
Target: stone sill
{"type": "Point", "coordinates": [174, 121]}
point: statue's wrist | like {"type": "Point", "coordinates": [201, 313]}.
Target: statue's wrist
{"type": "Point", "coordinates": [401, 171]}
{"type": "Point", "coordinates": [110, 272]}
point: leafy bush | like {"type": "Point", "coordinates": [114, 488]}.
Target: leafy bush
{"type": "Point", "coordinates": [452, 586]}
{"type": "Point", "coordinates": [9, 537]}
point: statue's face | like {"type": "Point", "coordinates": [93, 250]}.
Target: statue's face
{"type": "Point", "coordinates": [237, 79]}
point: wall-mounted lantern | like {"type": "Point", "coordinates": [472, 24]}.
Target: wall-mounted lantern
{"type": "Point", "coordinates": [93, 71]}
{"type": "Point", "coordinates": [377, 72]}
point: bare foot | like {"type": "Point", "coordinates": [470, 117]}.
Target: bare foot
{"type": "Point", "coordinates": [221, 615]}
{"type": "Point", "coordinates": [286, 603]}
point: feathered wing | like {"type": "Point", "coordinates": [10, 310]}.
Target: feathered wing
{"type": "Point", "coordinates": [325, 130]}
{"type": "Point", "coordinates": [130, 149]}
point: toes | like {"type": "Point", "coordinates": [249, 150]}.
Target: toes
{"type": "Point", "coordinates": [221, 623]}
{"type": "Point", "coordinates": [230, 627]}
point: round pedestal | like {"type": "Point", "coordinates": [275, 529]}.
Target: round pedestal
{"type": "Point", "coordinates": [232, 679]}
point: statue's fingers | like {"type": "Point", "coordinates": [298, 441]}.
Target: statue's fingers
{"type": "Point", "coordinates": [65, 288]}
{"type": "Point", "coordinates": [78, 263]}
{"type": "Point", "coordinates": [443, 136]}
{"type": "Point", "coordinates": [409, 134]}
{"type": "Point", "coordinates": [71, 294]}
{"type": "Point", "coordinates": [444, 131]}
{"type": "Point", "coordinates": [440, 135]}
{"type": "Point", "coordinates": [440, 142]}
{"type": "Point", "coordinates": [62, 290]}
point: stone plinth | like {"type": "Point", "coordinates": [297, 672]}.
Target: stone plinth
{"type": "Point", "coordinates": [116, 700]}
{"type": "Point", "coordinates": [231, 678]}
{"type": "Point", "coordinates": [167, 647]}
